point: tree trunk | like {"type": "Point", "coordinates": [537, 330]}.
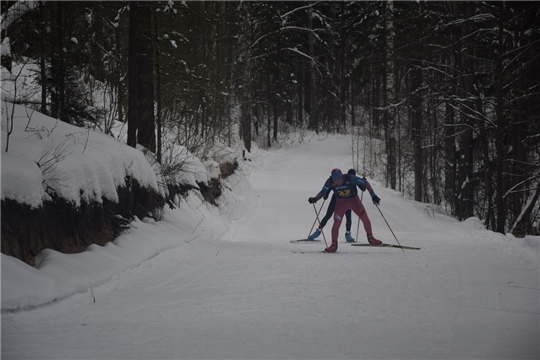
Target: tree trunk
{"type": "Point", "coordinates": [275, 85]}
{"type": "Point", "coordinates": [245, 73]}
{"type": "Point", "coordinates": [450, 158]}
{"type": "Point", "coordinates": [141, 127]}
{"type": "Point", "coordinates": [416, 102]}
{"type": "Point", "coordinates": [300, 106]}
{"type": "Point", "coordinates": [500, 129]}
{"type": "Point", "coordinates": [57, 67]}
{"type": "Point", "coordinates": [390, 97]}
{"type": "Point", "coordinates": [377, 100]}
{"type": "Point", "coordinates": [313, 116]}
{"type": "Point", "coordinates": [465, 159]}
{"type": "Point", "coordinates": [43, 72]}
{"type": "Point", "coordinates": [351, 101]}
{"type": "Point", "coordinates": [158, 95]}
{"type": "Point", "coordinates": [132, 76]}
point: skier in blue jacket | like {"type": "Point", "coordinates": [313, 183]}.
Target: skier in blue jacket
{"type": "Point", "coordinates": [344, 186]}
{"type": "Point", "coordinates": [330, 212]}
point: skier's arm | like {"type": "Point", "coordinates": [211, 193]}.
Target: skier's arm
{"type": "Point", "coordinates": [363, 183]}
{"type": "Point", "coordinates": [324, 192]}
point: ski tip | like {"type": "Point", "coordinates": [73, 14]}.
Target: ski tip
{"type": "Point", "coordinates": [305, 241]}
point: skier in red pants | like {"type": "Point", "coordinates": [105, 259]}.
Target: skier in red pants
{"type": "Point", "coordinates": [344, 186]}
{"type": "Point", "coordinates": [330, 213]}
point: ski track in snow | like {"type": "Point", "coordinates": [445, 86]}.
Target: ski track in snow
{"type": "Point", "coordinates": [467, 294]}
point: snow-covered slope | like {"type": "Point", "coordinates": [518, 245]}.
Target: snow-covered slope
{"type": "Point", "coordinates": [77, 164]}
{"type": "Point", "coordinates": [39, 153]}
{"type": "Point", "coordinates": [220, 283]}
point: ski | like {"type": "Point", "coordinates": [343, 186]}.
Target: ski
{"type": "Point", "coordinates": [305, 241]}
{"type": "Point", "coordinates": [389, 245]}
{"type": "Point", "coordinates": [323, 252]}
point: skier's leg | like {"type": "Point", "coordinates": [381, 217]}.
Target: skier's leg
{"type": "Point", "coordinates": [359, 210]}
{"type": "Point", "coordinates": [348, 223]}
{"type": "Point", "coordinates": [341, 207]}
{"type": "Point", "coordinates": [329, 212]}
{"type": "Point", "coordinates": [362, 214]}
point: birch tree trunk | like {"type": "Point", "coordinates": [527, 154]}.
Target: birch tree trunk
{"type": "Point", "coordinates": [313, 118]}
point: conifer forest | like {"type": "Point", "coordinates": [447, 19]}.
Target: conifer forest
{"type": "Point", "coordinates": [449, 90]}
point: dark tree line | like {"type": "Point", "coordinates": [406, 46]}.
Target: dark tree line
{"type": "Point", "coordinates": [450, 88]}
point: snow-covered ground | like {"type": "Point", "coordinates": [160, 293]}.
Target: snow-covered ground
{"type": "Point", "coordinates": [224, 283]}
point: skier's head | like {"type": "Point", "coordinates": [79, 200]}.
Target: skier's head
{"type": "Point", "coordinates": [337, 176]}
{"type": "Point", "coordinates": [351, 172]}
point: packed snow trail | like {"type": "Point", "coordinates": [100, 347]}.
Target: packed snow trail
{"type": "Point", "coordinates": [469, 293]}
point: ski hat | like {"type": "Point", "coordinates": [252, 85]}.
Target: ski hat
{"type": "Point", "coordinates": [337, 175]}
{"type": "Point", "coordinates": [351, 172]}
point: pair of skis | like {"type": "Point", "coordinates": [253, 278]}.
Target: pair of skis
{"type": "Point", "coordinates": [399, 246]}
{"type": "Point", "coordinates": [383, 245]}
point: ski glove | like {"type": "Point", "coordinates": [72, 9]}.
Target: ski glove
{"type": "Point", "coordinates": [376, 200]}
{"type": "Point", "coordinates": [312, 200]}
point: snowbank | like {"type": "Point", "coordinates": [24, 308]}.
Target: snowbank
{"type": "Point", "coordinates": [46, 154]}
{"type": "Point", "coordinates": [58, 275]}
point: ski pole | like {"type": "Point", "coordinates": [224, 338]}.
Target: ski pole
{"type": "Point", "coordinates": [389, 226]}
{"type": "Point", "coordinates": [357, 228]}
{"type": "Point", "coordinates": [315, 221]}
{"type": "Point", "coordinates": [324, 237]}
{"type": "Point", "coordinates": [358, 220]}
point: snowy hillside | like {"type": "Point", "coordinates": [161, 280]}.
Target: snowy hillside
{"type": "Point", "coordinates": [225, 282]}
{"type": "Point", "coordinates": [76, 163]}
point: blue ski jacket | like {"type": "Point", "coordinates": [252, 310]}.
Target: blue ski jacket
{"type": "Point", "coordinates": [347, 189]}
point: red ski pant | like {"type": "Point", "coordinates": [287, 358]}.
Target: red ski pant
{"type": "Point", "coordinates": [342, 205]}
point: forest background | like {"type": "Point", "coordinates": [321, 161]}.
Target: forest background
{"type": "Point", "coordinates": [451, 90]}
